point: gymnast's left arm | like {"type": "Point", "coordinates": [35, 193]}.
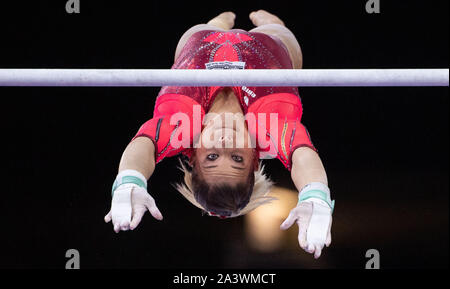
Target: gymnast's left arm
{"type": "Point", "coordinates": [152, 143]}
{"type": "Point", "coordinates": [130, 195]}
{"type": "Point", "coordinates": [313, 213]}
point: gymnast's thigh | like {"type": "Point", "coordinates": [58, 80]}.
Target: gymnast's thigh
{"type": "Point", "coordinates": [288, 39]}
{"type": "Point", "coordinates": [188, 34]}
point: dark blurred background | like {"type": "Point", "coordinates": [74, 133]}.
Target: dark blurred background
{"type": "Point", "coordinates": [385, 149]}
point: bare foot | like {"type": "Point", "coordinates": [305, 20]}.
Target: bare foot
{"type": "Point", "coordinates": [262, 17]}
{"type": "Point", "coordinates": [224, 20]}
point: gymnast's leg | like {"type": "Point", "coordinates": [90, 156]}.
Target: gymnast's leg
{"type": "Point", "coordinates": [222, 22]}
{"type": "Point", "coordinates": [272, 25]}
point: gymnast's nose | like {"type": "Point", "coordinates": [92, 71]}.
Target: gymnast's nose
{"type": "Point", "coordinates": [226, 141]}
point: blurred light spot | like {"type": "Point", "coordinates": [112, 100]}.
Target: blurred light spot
{"type": "Point", "coordinates": [262, 225]}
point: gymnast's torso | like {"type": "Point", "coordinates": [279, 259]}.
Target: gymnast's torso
{"type": "Point", "coordinates": [233, 49]}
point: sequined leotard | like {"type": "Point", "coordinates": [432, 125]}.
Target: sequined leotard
{"type": "Point", "coordinates": [234, 49]}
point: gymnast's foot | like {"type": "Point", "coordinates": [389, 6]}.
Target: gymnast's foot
{"type": "Point", "coordinates": [224, 20]}
{"type": "Point", "coordinates": [262, 17]}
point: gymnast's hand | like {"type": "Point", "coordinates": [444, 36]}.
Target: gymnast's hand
{"type": "Point", "coordinates": [313, 217]}
{"type": "Point", "coordinates": [129, 203]}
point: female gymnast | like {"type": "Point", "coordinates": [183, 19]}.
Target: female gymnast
{"type": "Point", "coordinates": [224, 131]}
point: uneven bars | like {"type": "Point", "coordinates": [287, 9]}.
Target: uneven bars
{"type": "Point", "coordinates": [227, 77]}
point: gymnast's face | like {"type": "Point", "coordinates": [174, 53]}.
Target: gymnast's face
{"type": "Point", "coordinates": [224, 152]}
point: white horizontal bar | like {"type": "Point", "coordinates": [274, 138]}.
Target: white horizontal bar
{"type": "Point", "coordinates": [202, 77]}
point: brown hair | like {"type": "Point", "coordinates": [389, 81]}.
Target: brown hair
{"type": "Point", "coordinates": [221, 198]}
{"type": "Point", "coordinates": [224, 199]}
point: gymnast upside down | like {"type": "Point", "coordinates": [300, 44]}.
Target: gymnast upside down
{"type": "Point", "coordinates": [222, 172]}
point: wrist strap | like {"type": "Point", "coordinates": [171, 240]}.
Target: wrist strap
{"type": "Point", "coordinates": [129, 177]}
{"type": "Point", "coordinates": [317, 191]}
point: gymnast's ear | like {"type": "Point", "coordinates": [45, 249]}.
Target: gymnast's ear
{"type": "Point", "coordinates": [191, 160]}
{"type": "Point", "coordinates": [255, 161]}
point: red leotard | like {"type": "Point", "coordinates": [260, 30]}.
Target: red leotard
{"type": "Point", "coordinates": [240, 49]}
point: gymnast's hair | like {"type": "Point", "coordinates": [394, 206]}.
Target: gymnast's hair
{"type": "Point", "coordinates": [226, 199]}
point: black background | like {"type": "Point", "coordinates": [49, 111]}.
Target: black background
{"type": "Point", "coordinates": [385, 149]}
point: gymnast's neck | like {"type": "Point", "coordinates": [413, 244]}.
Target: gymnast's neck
{"type": "Point", "coordinates": [226, 101]}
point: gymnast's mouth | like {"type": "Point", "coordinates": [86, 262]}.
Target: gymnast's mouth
{"type": "Point", "coordinates": [225, 130]}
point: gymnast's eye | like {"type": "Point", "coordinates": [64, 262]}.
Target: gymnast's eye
{"type": "Point", "coordinates": [212, 157]}
{"type": "Point", "coordinates": [237, 159]}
